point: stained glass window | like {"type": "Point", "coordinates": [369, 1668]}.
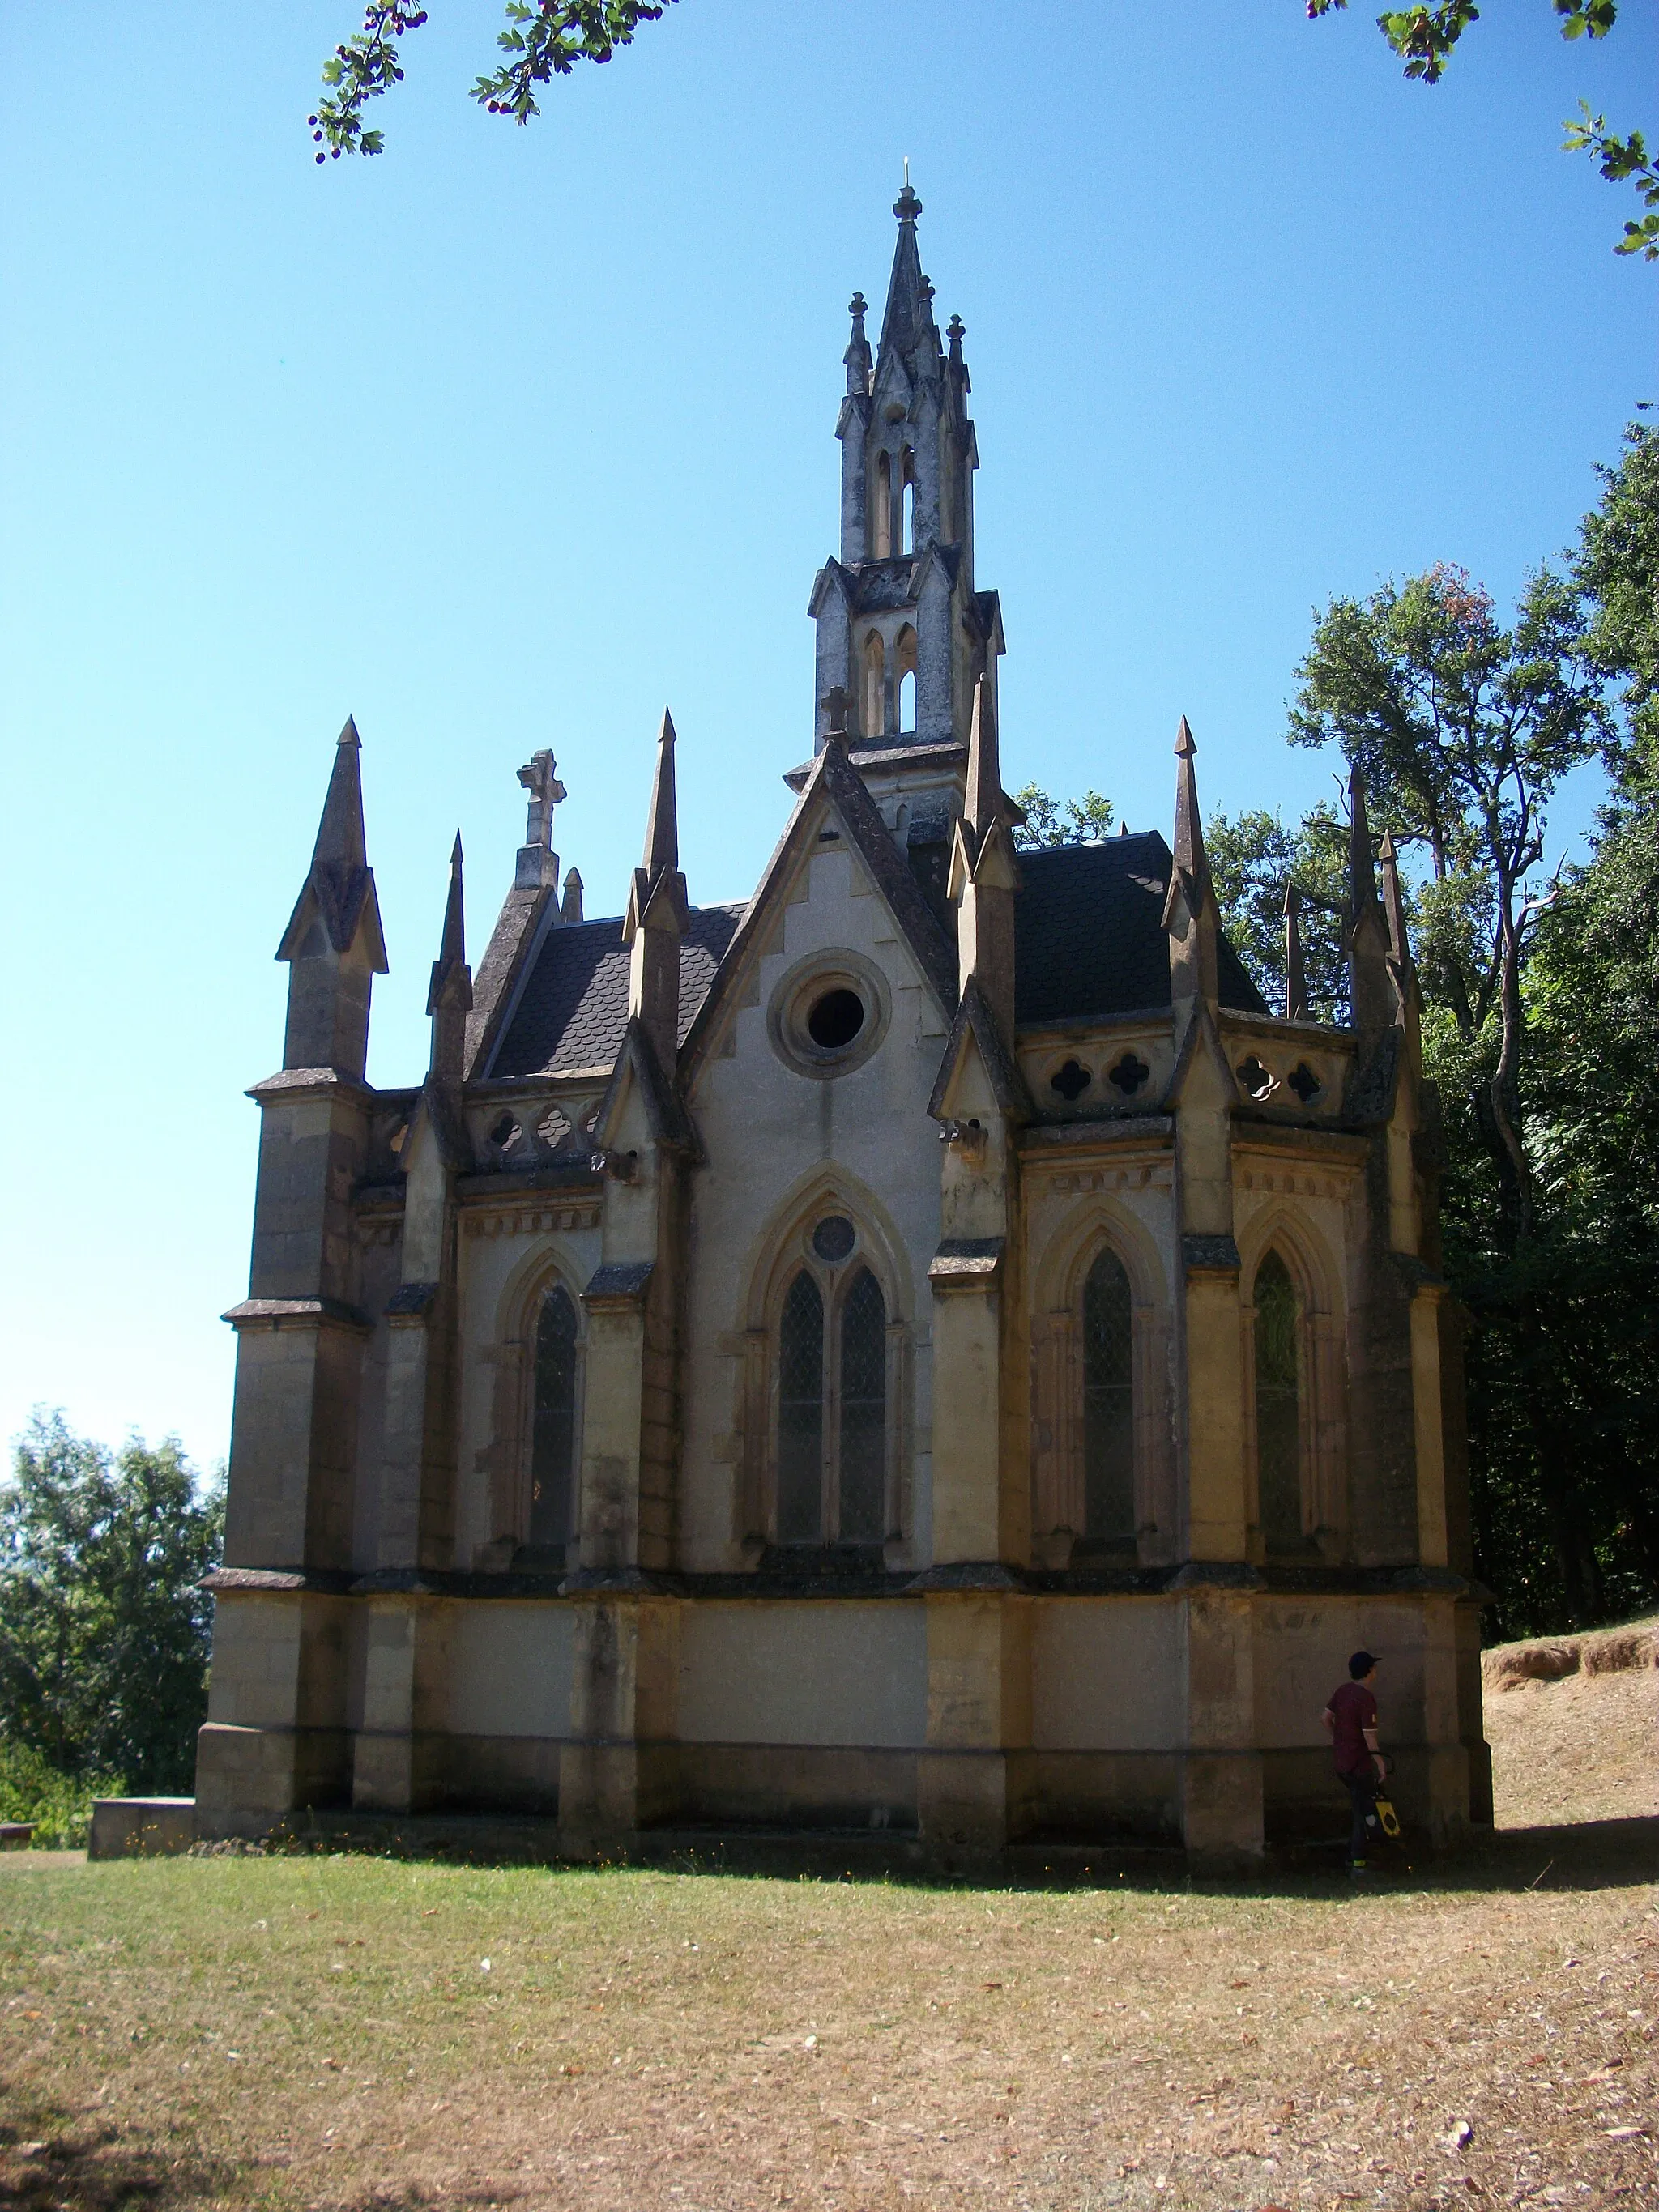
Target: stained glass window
{"type": "Point", "coordinates": [553, 1442]}
{"type": "Point", "coordinates": [863, 1411]}
{"type": "Point", "coordinates": [800, 1414]}
{"type": "Point", "coordinates": [1108, 1455]}
{"type": "Point", "coordinates": [1277, 1404]}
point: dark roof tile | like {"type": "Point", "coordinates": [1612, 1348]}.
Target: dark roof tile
{"type": "Point", "coordinates": [574, 1007]}
{"type": "Point", "coordinates": [1090, 940]}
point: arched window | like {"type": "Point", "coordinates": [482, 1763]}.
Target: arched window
{"type": "Point", "coordinates": [908, 524]}
{"type": "Point", "coordinates": [1277, 1405]}
{"type": "Point", "coordinates": [904, 664]}
{"type": "Point", "coordinates": [1109, 1435]}
{"type": "Point", "coordinates": [863, 1411]}
{"type": "Point", "coordinates": [832, 1402]}
{"type": "Point", "coordinates": [883, 505]}
{"type": "Point", "coordinates": [553, 1439]}
{"type": "Point", "coordinates": [874, 718]}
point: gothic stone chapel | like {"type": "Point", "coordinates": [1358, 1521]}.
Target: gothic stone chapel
{"type": "Point", "coordinates": [926, 1351]}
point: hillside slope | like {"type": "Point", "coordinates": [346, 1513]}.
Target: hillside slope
{"type": "Point", "coordinates": [1573, 1723]}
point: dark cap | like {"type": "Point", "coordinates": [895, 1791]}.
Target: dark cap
{"type": "Point", "coordinates": [1361, 1664]}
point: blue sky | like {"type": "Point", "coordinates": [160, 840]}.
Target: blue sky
{"type": "Point", "coordinates": [503, 440]}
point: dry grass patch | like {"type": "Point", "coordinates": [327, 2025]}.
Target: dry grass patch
{"type": "Point", "coordinates": [348, 2032]}
{"type": "Point", "coordinates": [1574, 1726]}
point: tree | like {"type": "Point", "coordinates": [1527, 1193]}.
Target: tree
{"type": "Point", "coordinates": [103, 1628]}
{"type": "Point", "coordinates": [1049, 821]}
{"type": "Point", "coordinates": [544, 38]}
{"type": "Point", "coordinates": [1462, 729]}
{"type": "Point", "coordinates": [1254, 859]}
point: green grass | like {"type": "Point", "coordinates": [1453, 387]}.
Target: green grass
{"type": "Point", "coordinates": [324, 2032]}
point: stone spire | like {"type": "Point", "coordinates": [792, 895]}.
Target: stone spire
{"type": "Point", "coordinates": [333, 943]}
{"type": "Point", "coordinates": [1190, 914]}
{"type": "Point", "coordinates": [449, 996]}
{"type": "Point", "coordinates": [908, 314]}
{"type": "Point", "coordinates": [984, 872]}
{"type": "Point", "coordinates": [658, 914]}
{"type": "Point", "coordinates": [1296, 980]}
{"type": "Point", "coordinates": [538, 862]}
{"type": "Point", "coordinates": [857, 355]}
{"type": "Point", "coordinates": [1370, 988]}
{"type": "Point", "coordinates": [571, 910]}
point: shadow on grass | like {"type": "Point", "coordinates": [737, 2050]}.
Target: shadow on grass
{"type": "Point", "coordinates": [49, 2161]}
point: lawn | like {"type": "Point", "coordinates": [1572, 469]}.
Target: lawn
{"type": "Point", "coordinates": [343, 2032]}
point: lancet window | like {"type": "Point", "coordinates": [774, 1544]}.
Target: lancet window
{"type": "Point", "coordinates": [1279, 1405]}
{"type": "Point", "coordinates": [1108, 1428]}
{"type": "Point", "coordinates": [553, 1423]}
{"type": "Point", "coordinates": [832, 1398]}
{"type": "Point", "coordinates": [874, 716]}
{"type": "Point", "coordinates": [905, 657]}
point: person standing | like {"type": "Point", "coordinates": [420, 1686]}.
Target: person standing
{"type": "Point", "coordinates": [1351, 1716]}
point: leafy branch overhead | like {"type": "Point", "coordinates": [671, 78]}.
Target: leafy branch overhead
{"type": "Point", "coordinates": [544, 39]}
{"type": "Point", "coordinates": [1424, 38]}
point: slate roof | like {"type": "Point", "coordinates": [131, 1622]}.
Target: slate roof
{"type": "Point", "coordinates": [1090, 945]}
{"type": "Point", "coordinates": [574, 1007]}
{"type": "Point", "coordinates": [1091, 942]}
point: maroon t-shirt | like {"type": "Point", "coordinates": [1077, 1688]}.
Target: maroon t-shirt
{"type": "Point", "coordinates": [1355, 1710]}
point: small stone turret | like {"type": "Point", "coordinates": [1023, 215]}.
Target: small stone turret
{"type": "Point", "coordinates": [658, 914]}
{"type": "Point", "coordinates": [333, 943]}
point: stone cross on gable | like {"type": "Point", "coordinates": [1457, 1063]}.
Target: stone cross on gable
{"type": "Point", "coordinates": [836, 700]}
{"type": "Point", "coordinates": [537, 777]}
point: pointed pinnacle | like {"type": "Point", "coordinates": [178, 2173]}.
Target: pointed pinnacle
{"type": "Point", "coordinates": [982, 800]}
{"type": "Point", "coordinates": [662, 829]}
{"type": "Point", "coordinates": [1190, 858]}
{"type": "Point", "coordinates": [340, 831]}
{"type": "Point", "coordinates": [453, 948]}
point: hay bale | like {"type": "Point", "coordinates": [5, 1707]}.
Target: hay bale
{"type": "Point", "coordinates": [1511, 1664]}
{"type": "Point", "coordinates": [1621, 1650]}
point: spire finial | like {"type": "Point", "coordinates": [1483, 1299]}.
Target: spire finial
{"type": "Point", "coordinates": [907, 207]}
{"type": "Point", "coordinates": [662, 829]}
{"type": "Point", "coordinates": [857, 355]}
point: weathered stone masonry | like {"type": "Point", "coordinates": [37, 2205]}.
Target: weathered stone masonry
{"type": "Point", "coordinates": [928, 1351]}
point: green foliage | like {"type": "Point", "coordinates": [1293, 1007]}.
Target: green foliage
{"type": "Point", "coordinates": [104, 1629]}
{"type": "Point", "coordinates": [1617, 570]}
{"type": "Point", "coordinates": [1253, 857]}
{"type": "Point", "coordinates": [1425, 36]}
{"type": "Point", "coordinates": [544, 39]}
{"type": "Point", "coordinates": [1462, 729]}
{"type": "Point", "coordinates": [60, 1805]}
{"type": "Point", "coordinates": [1049, 821]}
